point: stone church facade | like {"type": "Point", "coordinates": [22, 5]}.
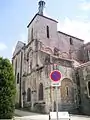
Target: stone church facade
{"type": "Point", "coordinates": [48, 50]}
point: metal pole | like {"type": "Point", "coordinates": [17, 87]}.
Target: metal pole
{"type": "Point", "coordinates": [57, 101]}
{"type": "Point", "coordinates": [52, 98]}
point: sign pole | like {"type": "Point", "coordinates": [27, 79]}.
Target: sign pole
{"type": "Point", "coordinates": [55, 76]}
{"type": "Point", "coordinates": [52, 97]}
{"type": "Point", "coordinates": [57, 101]}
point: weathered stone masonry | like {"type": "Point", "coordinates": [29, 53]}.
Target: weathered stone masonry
{"type": "Point", "coordinates": [47, 50]}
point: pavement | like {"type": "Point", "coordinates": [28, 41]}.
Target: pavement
{"type": "Point", "coordinates": [24, 113]}
{"type": "Point", "coordinates": [34, 116]}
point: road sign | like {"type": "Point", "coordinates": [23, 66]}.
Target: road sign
{"type": "Point", "coordinates": [56, 84]}
{"type": "Point", "coordinates": [55, 75]}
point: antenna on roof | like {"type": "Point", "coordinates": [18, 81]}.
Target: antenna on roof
{"type": "Point", "coordinates": [41, 7]}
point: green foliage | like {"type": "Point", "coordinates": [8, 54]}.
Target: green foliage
{"type": "Point", "coordinates": [7, 89]}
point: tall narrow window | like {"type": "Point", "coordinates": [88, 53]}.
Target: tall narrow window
{"type": "Point", "coordinates": [15, 67]}
{"type": "Point", "coordinates": [32, 34]}
{"type": "Point", "coordinates": [71, 41]}
{"type": "Point", "coordinates": [41, 91]}
{"type": "Point", "coordinates": [28, 95]}
{"type": "Point", "coordinates": [89, 88]}
{"type": "Point", "coordinates": [31, 65]}
{"type": "Point", "coordinates": [18, 78]}
{"type": "Point", "coordinates": [67, 91]}
{"type": "Point", "coordinates": [47, 31]}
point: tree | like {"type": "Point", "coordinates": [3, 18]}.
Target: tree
{"type": "Point", "coordinates": [7, 89]}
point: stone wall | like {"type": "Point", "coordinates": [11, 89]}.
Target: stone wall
{"type": "Point", "coordinates": [41, 74]}
{"type": "Point", "coordinates": [58, 40]}
{"type": "Point", "coordinates": [38, 60]}
{"type": "Point", "coordinates": [84, 77]}
{"type": "Point", "coordinates": [71, 49]}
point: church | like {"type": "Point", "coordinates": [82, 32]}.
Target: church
{"type": "Point", "coordinates": [47, 50]}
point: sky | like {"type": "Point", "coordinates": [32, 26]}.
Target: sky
{"type": "Point", "coordinates": [73, 17]}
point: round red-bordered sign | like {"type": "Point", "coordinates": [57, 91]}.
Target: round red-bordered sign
{"type": "Point", "coordinates": [55, 75]}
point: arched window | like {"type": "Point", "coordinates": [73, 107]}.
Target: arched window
{"type": "Point", "coordinates": [41, 91]}
{"type": "Point", "coordinates": [67, 90]}
{"type": "Point", "coordinates": [18, 78]}
{"type": "Point", "coordinates": [28, 95]}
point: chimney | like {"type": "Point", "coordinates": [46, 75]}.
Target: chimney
{"type": "Point", "coordinates": [41, 7]}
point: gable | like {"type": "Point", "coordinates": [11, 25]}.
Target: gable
{"type": "Point", "coordinates": [41, 16]}
{"type": "Point", "coordinates": [18, 47]}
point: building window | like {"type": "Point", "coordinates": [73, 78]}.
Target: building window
{"type": "Point", "coordinates": [31, 65]}
{"type": "Point", "coordinates": [89, 88]}
{"type": "Point", "coordinates": [47, 31]}
{"type": "Point", "coordinates": [32, 34]}
{"type": "Point", "coordinates": [41, 91]}
{"type": "Point", "coordinates": [16, 67]}
{"type": "Point", "coordinates": [71, 41]}
{"type": "Point", "coordinates": [28, 95]}
{"type": "Point", "coordinates": [67, 91]}
{"type": "Point", "coordinates": [18, 78]}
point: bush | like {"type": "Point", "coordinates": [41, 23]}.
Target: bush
{"type": "Point", "coordinates": [7, 89]}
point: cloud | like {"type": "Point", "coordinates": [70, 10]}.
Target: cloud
{"type": "Point", "coordinates": [2, 46]}
{"type": "Point", "coordinates": [82, 17]}
{"type": "Point", "coordinates": [84, 5]}
{"type": "Point", "coordinates": [79, 27]}
{"type": "Point", "coordinates": [76, 28]}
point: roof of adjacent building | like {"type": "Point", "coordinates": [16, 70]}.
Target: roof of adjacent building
{"type": "Point", "coordinates": [18, 48]}
{"type": "Point", "coordinates": [41, 16]}
{"type": "Point", "coordinates": [70, 36]}
{"type": "Point", "coordinates": [84, 64]}
{"type": "Point", "coordinates": [86, 44]}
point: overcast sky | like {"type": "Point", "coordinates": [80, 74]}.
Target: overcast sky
{"type": "Point", "coordinates": [73, 17]}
